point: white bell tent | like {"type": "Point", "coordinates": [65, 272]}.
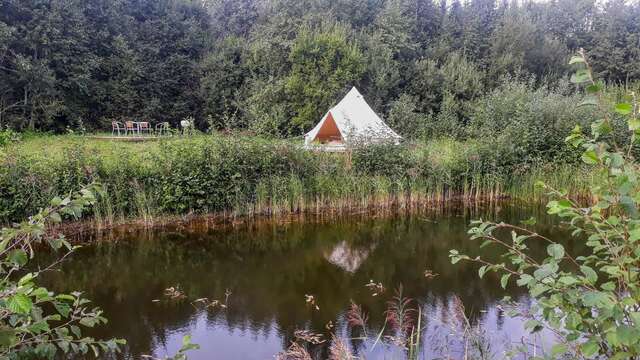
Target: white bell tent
{"type": "Point", "coordinates": [352, 121]}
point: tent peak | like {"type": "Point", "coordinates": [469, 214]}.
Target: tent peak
{"type": "Point", "coordinates": [351, 120]}
{"type": "Point", "coordinates": [354, 91]}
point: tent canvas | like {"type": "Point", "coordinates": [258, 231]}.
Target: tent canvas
{"type": "Point", "coordinates": [351, 121]}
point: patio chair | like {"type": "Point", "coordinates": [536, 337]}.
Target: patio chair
{"type": "Point", "coordinates": [116, 126]}
{"type": "Point", "coordinates": [162, 127]}
{"type": "Point", "coordinates": [144, 126]}
{"type": "Point", "coordinates": [131, 126]}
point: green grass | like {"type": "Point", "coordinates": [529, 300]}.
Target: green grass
{"type": "Point", "coordinates": [110, 150]}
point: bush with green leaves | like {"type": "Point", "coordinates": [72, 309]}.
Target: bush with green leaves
{"type": "Point", "coordinates": [590, 301]}
{"type": "Point", "coordinates": [452, 161]}
{"type": "Point", "coordinates": [384, 159]}
{"type": "Point", "coordinates": [8, 136]}
{"type": "Point", "coordinates": [528, 124]}
{"type": "Point", "coordinates": [34, 321]}
{"type": "Point", "coordinates": [407, 121]}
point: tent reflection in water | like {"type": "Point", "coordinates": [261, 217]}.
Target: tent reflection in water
{"type": "Point", "coordinates": [351, 122]}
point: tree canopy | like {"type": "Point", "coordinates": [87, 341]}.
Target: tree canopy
{"type": "Point", "coordinates": [275, 66]}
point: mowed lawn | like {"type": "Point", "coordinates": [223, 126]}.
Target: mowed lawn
{"type": "Point", "coordinates": [55, 147]}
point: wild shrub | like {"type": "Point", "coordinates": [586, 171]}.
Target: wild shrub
{"type": "Point", "coordinates": [386, 159]}
{"type": "Point", "coordinates": [8, 136]}
{"type": "Point", "coordinates": [447, 161]}
{"type": "Point", "coordinates": [592, 301]}
{"type": "Point", "coordinates": [26, 184]}
{"type": "Point", "coordinates": [407, 121]}
{"type": "Point", "coordinates": [216, 174]}
{"type": "Point", "coordinates": [527, 124]}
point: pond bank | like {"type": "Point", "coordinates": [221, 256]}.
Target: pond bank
{"type": "Point", "coordinates": [250, 176]}
{"type": "Point", "coordinates": [94, 229]}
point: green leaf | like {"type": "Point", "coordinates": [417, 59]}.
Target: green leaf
{"type": "Point", "coordinates": [590, 347]}
{"type": "Point", "coordinates": [524, 279]}
{"type": "Point", "coordinates": [56, 201]}
{"type": "Point", "coordinates": [64, 346]}
{"type": "Point", "coordinates": [482, 271]}
{"type": "Point", "coordinates": [608, 286]}
{"type": "Point", "coordinates": [556, 251]}
{"type": "Point", "coordinates": [18, 257]}
{"type": "Point", "coordinates": [532, 325]}
{"type": "Point", "coordinates": [485, 243]}
{"type": "Point", "coordinates": [594, 88]}
{"type": "Point", "coordinates": [62, 308]}
{"type": "Point", "coordinates": [558, 349]}
{"type": "Point", "coordinates": [186, 340]}
{"type": "Point", "coordinates": [545, 271]}
{"type": "Point", "coordinates": [620, 356]}
{"type": "Point", "coordinates": [7, 337]}
{"type": "Point", "coordinates": [581, 76]}
{"type": "Point", "coordinates": [576, 60]}
{"type": "Point", "coordinates": [627, 335]}
{"type": "Point", "coordinates": [596, 299]}
{"type": "Point", "coordinates": [589, 273]}
{"type": "Point", "coordinates": [635, 316]}
{"type": "Point", "coordinates": [25, 279]}
{"type": "Point", "coordinates": [39, 327]}
{"type": "Point", "coordinates": [55, 217]}
{"type": "Point", "coordinates": [624, 108]}
{"type": "Point", "coordinates": [568, 280]}
{"type": "Point", "coordinates": [504, 280]}
{"type": "Point", "coordinates": [88, 322]}
{"type": "Point", "coordinates": [590, 157]}
{"type": "Point", "coordinates": [20, 304]}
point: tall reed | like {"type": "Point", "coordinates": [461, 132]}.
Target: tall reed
{"type": "Point", "coordinates": [249, 176]}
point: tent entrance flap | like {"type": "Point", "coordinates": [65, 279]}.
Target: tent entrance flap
{"type": "Point", "coordinates": [329, 131]}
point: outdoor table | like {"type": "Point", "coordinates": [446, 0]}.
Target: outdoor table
{"type": "Point", "coordinates": [137, 128]}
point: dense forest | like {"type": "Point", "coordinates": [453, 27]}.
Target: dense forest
{"type": "Point", "coordinates": [273, 67]}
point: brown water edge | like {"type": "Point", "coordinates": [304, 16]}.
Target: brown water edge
{"type": "Point", "coordinates": [92, 230]}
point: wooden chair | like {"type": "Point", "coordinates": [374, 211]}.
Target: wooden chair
{"type": "Point", "coordinates": [131, 126]}
{"type": "Point", "coordinates": [162, 127]}
{"type": "Point", "coordinates": [144, 126]}
{"type": "Point", "coordinates": [116, 126]}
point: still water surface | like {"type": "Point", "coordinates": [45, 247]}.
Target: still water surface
{"type": "Point", "coordinates": [270, 267]}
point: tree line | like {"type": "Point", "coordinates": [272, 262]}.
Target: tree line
{"type": "Point", "coordinates": [273, 67]}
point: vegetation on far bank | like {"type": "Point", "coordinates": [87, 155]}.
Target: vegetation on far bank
{"type": "Point", "coordinates": [249, 175]}
{"type": "Point", "coordinates": [514, 137]}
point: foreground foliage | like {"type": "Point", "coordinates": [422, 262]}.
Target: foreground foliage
{"type": "Point", "coordinates": [591, 301]}
{"type": "Point", "coordinates": [36, 322]}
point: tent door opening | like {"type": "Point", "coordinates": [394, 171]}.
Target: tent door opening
{"type": "Point", "coordinates": [329, 132]}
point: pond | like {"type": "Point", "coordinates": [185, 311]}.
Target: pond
{"type": "Point", "coordinates": [265, 274]}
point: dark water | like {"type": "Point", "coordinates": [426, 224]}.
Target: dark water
{"type": "Point", "coordinates": [269, 268]}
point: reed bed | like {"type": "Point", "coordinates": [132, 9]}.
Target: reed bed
{"type": "Point", "coordinates": [249, 176]}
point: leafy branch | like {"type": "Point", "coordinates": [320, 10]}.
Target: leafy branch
{"type": "Point", "coordinates": [592, 303]}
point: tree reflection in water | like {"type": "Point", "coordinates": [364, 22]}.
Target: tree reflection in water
{"type": "Point", "coordinates": [270, 267]}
